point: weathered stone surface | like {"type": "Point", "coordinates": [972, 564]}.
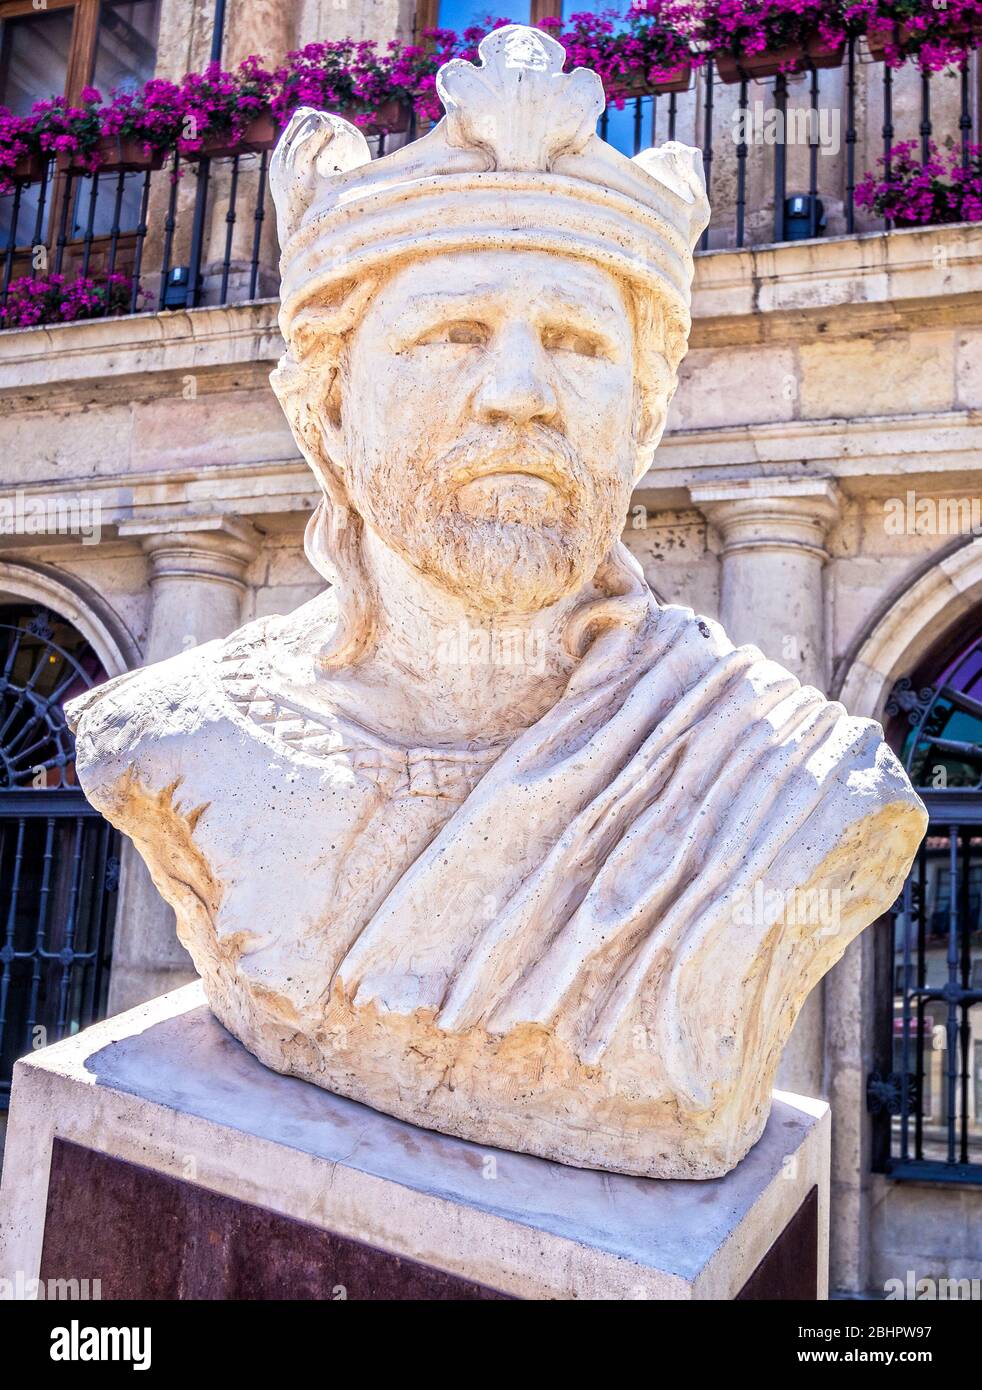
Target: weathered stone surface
{"type": "Point", "coordinates": [486, 837]}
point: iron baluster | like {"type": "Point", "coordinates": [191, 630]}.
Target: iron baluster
{"type": "Point", "coordinates": [258, 218]}
{"type": "Point", "coordinates": [43, 904]}
{"type": "Point", "coordinates": [7, 953]}
{"type": "Point", "coordinates": [905, 1033]}
{"type": "Point", "coordinates": [90, 222]}
{"type": "Point", "coordinates": [707, 144]}
{"type": "Point", "coordinates": [8, 260]}
{"type": "Point", "coordinates": [170, 223]}
{"type": "Point", "coordinates": [887, 127]}
{"type": "Point", "coordinates": [66, 955]}
{"type": "Point", "coordinates": [925, 126]}
{"type": "Point", "coordinates": [62, 240]}
{"type": "Point", "coordinates": [141, 236]}
{"type": "Point", "coordinates": [780, 154]}
{"type": "Point", "coordinates": [813, 156]}
{"type": "Point", "coordinates": [36, 240]}
{"type": "Point", "coordinates": [952, 992]}
{"type": "Point", "coordinates": [742, 151]}
{"type": "Point", "coordinates": [87, 997]}
{"type": "Point", "coordinates": [921, 1001]}
{"type": "Point", "coordinates": [114, 231]}
{"type": "Point", "coordinates": [851, 136]}
{"type": "Point", "coordinates": [198, 231]}
{"type": "Point", "coordinates": [229, 228]}
{"type": "Point", "coordinates": [965, 970]}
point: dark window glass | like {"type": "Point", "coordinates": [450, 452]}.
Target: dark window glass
{"type": "Point", "coordinates": [126, 44]}
{"type": "Point", "coordinates": [125, 58]}
{"type": "Point", "coordinates": [34, 51]}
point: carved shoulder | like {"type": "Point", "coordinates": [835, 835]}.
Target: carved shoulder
{"type": "Point", "coordinates": [136, 722]}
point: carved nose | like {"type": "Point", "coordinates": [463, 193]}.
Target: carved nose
{"type": "Point", "coordinates": [516, 383]}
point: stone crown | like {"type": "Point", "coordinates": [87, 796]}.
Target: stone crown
{"type": "Point", "coordinates": [514, 164]}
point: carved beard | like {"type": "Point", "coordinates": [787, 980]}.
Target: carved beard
{"type": "Point", "coordinates": [516, 544]}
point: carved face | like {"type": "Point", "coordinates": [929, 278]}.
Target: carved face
{"type": "Point", "coordinates": [489, 410]}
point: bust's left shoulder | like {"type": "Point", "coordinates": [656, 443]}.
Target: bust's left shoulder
{"type": "Point", "coordinates": [843, 758]}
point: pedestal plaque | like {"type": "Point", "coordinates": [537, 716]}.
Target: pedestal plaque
{"type": "Point", "coordinates": [154, 1153]}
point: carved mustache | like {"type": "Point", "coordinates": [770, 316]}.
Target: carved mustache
{"type": "Point", "coordinates": [537, 450]}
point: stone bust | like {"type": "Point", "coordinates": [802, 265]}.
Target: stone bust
{"type": "Point", "coordinates": [484, 836]}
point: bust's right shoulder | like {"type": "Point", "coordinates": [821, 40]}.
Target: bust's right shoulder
{"type": "Point", "coordinates": [117, 723]}
{"type": "Point", "coordinates": [142, 721]}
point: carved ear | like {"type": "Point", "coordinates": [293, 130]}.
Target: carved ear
{"type": "Point", "coordinates": [314, 146]}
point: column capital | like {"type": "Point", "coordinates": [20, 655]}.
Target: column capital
{"type": "Point", "coordinates": [789, 514]}
{"type": "Point", "coordinates": [213, 547]}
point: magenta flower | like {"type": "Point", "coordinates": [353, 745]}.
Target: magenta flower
{"type": "Point", "coordinates": [919, 193]}
{"type": "Point", "coordinates": [56, 299]}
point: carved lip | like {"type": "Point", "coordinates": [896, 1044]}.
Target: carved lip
{"type": "Point", "coordinates": [511, 467]}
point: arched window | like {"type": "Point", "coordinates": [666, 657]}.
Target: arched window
{"type": "Point", "coordinates": [59, 864]}
{"type": "Point", "coordinates": [927, 1090]}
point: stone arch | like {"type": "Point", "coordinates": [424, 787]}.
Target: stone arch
{"type": "Point", "coordinates": [910, 621]}
{"type": "Point", "coordinates": [77, 603]}
{"type": "Point", "coordinates": [921, 612]}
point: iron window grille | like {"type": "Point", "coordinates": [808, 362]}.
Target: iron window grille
{"type": "Point", "coordinates": [927, 1090]}
{"type": "Point", "coordinates": [59, 860]}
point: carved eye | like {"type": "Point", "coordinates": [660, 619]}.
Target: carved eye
{"type": "Point", "coordinates": [573, 341]}
{"type": "Point", "coordinates": [464, 332]}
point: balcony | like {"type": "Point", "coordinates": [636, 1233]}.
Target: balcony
{"type": "Point", "coordinates": [786, 158]}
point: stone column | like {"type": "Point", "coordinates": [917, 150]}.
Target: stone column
{"type": "Point", "coordinates": [197, 568]}
{"type": "Point", "coordinates": [773, 533]}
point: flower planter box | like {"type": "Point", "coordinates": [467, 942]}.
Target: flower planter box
{"type": "Point", "coordinates": [391, 118]}
{"type": "Point", "coordinates": [899, 36]}
{"type": "Point", "coordinates": [115, 152]}
{"type": "Point", "coordinates": [638, 85]}
{"type": "Point", "coordinates": [259, 134]}
{"type": "Point", "coordinates": [813, 53]}
{"type": "Point", "coordinates": [877, 40]}
{"type": "Point", "coordinates": [28, 169]}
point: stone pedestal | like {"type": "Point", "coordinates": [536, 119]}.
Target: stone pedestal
{"type": "Point", "coordinates": [153, 1153]}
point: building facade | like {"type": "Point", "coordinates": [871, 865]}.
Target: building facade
{"type": "Point", "coordinates": [818, 490]}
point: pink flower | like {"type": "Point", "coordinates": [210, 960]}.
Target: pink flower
{"type": "Point", "coordinates": [939, 189]}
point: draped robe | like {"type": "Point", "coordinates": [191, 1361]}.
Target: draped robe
{"type": "Point", "coordinates": [585, 943]}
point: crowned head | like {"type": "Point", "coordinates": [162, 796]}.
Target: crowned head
{"type": "Point", "coordinates": [483, 328]}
